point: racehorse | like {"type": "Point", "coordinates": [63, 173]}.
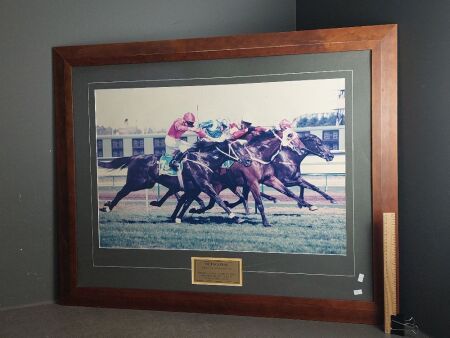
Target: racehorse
{"type": "Point", "coordinates": [262, 150]}
{"type": "Point", "coordinates": [200, 164]}
{"type": "Point", "coordinates": [137, 179]}
{"type": "Point", "coordinates": [287, 168]}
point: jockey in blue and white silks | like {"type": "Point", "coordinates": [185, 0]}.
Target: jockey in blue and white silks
{"type": "Point", "coordinates": [216, 130]}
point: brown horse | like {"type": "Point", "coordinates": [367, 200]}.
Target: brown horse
{"type": "Point", "coordinates": [287, 168]}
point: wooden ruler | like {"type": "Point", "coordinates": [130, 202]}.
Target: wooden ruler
{"type": "Point", "coordinates": [390, 269]}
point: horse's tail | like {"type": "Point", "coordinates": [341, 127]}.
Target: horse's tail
{"type": "Point", "coordinates": [118, 163]}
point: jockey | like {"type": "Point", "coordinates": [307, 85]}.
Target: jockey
{"type": "Point", "coordinates": [215, 130]}
{"type": "Point", "coordinates": [246, 127]}
{"type": "Point", "coordinates": [174, 144]}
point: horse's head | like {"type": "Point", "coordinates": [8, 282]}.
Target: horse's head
{"type": "Point", "coordinates": [315, 146]}
{"type": "Point", "coordinates": [290, 139]}
{"type": "Point", "coordinates": [235, 150]}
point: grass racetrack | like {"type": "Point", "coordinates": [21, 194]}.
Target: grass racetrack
{"type": "Point", "coordinates": [133, 225]}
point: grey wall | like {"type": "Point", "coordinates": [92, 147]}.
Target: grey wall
{"type": "Point", "coordinates": [28, 31]}
{"type": "Point", "coordinates": [424, 144]}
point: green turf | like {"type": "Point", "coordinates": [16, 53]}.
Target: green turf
{"type": "Point", "coordinates": [293, 230]}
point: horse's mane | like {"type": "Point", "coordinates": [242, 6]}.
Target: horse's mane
{"type": "Point", "coordinates": [309, 138]}
{"type": "Point", "coordinates": [206, 146]}
{"type": "Point", "coordinates": [310, 141]}
{"type": "Point", "coordinates": [261, 137]}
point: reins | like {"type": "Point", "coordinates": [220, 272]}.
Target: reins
{"type": "Point", "coordinates": [199, 163]}
{"type": "Point", "coordinates": [261, 161]}
{"type": "Point", "coordinates": [233, 156]}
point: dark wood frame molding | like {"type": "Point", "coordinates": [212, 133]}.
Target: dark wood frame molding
{"type": "Point", "coordinates": [380, 40]}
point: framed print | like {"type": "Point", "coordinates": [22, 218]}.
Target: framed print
{"type": "Point", "coordinates": [263, 162]}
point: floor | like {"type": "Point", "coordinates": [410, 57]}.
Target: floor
{"type": "Point", "coordinates": [63, 321]}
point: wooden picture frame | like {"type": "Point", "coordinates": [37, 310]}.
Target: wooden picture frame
{"type": "Point", "coordinates": [380, 41]}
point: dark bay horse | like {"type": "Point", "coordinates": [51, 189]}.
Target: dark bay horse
{"type": "Point", "coordinates": [200, 164]}
{"type": "Point", "coordinates": [138, 178]}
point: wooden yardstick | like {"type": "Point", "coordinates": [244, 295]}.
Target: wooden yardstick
{"type": "Point", "coordinates": [390, 269]}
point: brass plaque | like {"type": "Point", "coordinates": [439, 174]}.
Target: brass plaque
{"type": "Point", "coordinates": [216, 271]}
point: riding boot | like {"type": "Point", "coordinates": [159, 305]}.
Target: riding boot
{"type": "Point", "coordinates": [175, 162]}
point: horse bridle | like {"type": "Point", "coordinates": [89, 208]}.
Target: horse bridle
{"type": "Point", "coordinates": [291, 146]}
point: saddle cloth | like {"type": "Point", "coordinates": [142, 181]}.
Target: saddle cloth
{"type": "Point", "coordinates": [227, 164]}
{"type": "Point", "coordinates": [164, 166]}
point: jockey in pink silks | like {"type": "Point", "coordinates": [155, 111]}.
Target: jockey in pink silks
{"type": "Point", "coordinates": [174, 144]}
{"type": "Point", "coordinates": [237, 132]}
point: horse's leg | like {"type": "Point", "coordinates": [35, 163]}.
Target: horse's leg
{"type": "Point", "coordinates": [302, 203]}
{"type": "Point", "coordinates": [180, 203]}
{"type": "Point", "coordinates": [306, 184]}
{"type": "Point", "coordinates": [197, 199]}
{"type": "Point", "coordinates": [200, 202]}
{"type": "Point", "coordinates": [169, 193]}
{"type": "Point", "coordinates": [126, 189]}
{"type": "Point", "coordinates": [208, 189]}
{"type": "Point", "coordinates": [186, 205]}
{"type": "Point", "coordinates": [245, 192]}
{"type": "Point", "coordinates": [218, 188]}
{"type": "Point", "coordinates": [239, 201]}
{"type": "Point", "coordinates": [279, 186]}
{"type": "Point", "coordinates": [204, 209]}
{"type": "Point", "coordinates": [254, 188]}
{"type": "Point", "coordinates": [268, 197]}
{"type": "Point", "coordinates": [243, 199]}
{"type": "Point", "coordinates": [234, 204]}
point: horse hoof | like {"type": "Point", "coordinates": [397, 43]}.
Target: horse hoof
{"type": "Point", "coordinates": [178, 220]}
{"type": "Point", "coordinates": [267, 225]}
{"type": "Point", "coordinates": [300, 205]}
{"type": "Point", "coordinates": [313, 208]}
{"type": "Point", "coordinates": [105, 209]}
{"type": "Point", "coordinates": [333, 202]}
{"type": "Point", "coordinates": [238, 220]}
{"type": "Point", "coordinates": [154, 204]}
{"type": "Point", "coordinates": [275, 201]}
{"type": "Point", "coordinates": [192, 211]}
